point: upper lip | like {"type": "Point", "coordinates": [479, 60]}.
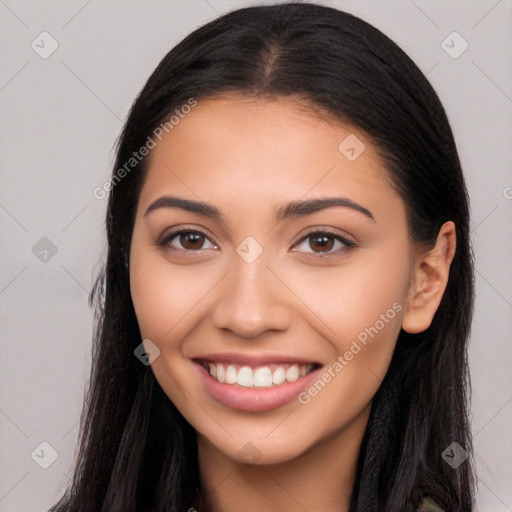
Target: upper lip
{"type": "Point", "coordinates": [253, 360]}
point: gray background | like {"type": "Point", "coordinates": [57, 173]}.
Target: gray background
{"type": "Point", "coordinates": [60, 118]}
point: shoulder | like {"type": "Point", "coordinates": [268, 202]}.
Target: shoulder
{"type": "Point", "coordinates": [429, 505]}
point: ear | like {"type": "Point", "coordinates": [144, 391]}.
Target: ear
{"type": "Point", "coordinates": [429, 279]}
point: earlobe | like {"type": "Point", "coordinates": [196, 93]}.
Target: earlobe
{"type": "Point", "coordinates": [430, 277]}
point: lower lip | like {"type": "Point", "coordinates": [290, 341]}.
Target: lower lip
{"type": "Point", "coordinates": [254, 399]}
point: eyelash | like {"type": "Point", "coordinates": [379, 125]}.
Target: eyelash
{"type": "Point", "coordinates": [348, 244]}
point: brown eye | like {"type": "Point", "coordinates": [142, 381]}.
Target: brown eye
{"type": "Point", "coordinates": [191, 240]}
{"type": "Point", "coordinates": [187, 240]}
{"type": "Point", "coordinates": [323, 242]}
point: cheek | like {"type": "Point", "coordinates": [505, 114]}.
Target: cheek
{"type": "Point", "coordinates": [158, 296]}
{"type": "Point", "coordinates": [167, 298]}
{"type": "Point", "coordinates": [345, 301]}
{"type": "Point", "coordinates": [361, 307]}
{"type": "Point", "coordinates": [151, 297]}
{"type": "Point", "coordinates": [377, 308]}
{"type": "Point", "coordinates": [167, 304]}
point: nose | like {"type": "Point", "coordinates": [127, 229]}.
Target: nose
{"type": "Point", "coordinates": [252, 300]}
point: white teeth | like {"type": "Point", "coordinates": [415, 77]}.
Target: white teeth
{"type": "Point", "coordinates": [231, 374]}
{"type": "Point", "coordinates": [292, 374]}
{"type": "Point", "coordinates": [245, 377]}
{"type": "Point", "coordinates": [279, 376]}
{"type": "Point", "coordinates": [262, 377]}
{"type": "Point", "coordinates": [221, 375]}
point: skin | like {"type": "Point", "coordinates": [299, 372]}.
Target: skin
{"type": "Point", "coordinates": [247, 158]}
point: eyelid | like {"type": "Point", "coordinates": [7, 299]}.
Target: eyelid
{"type": "Point", "coordinates": [347, 243]}
{"type": "Point", "coordinates": [328, 230]}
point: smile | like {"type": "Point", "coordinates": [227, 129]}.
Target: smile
{"type": "Point", "coordinates": [255, 383]}
{"type": "Point", "coordinates": [266, 376]}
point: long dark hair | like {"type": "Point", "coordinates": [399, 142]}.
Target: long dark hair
{"type": "Point", "coordinates": [137, 453]}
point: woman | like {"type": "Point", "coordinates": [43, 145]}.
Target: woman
{"type": "Point", "coordinates": [286, 302]}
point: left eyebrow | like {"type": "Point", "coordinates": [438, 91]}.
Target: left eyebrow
{"type": "Point", "coordinates": [292, 209]}
{"type": "Point", "coordinates": [310, 206]}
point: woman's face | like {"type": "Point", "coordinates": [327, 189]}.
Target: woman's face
{"type": "Point", "coordinates": [302, 325]}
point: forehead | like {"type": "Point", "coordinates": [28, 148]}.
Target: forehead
{"type": "Point", "coordinates": [265, 152]}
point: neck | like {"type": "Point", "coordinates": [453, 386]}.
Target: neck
{"type": "Point", "coordinates": [321, 478]}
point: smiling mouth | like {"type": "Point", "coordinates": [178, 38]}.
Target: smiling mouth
{"type": "Point", "coordinates": [265, 376]}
